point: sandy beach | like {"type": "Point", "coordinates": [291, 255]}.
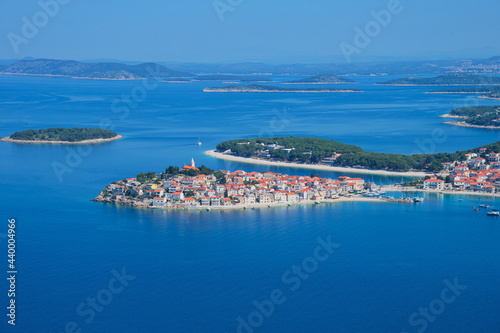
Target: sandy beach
{"type": "Point", "coordinates": [95, 141]}
{"type": "Point", "coordinates": [452, 116]}
{"type": "Point", "coordinates": [215, 154]}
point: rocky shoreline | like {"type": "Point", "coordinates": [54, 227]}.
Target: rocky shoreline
{"type": "Point", "coordinates": [122, 201]}
{"type": "Point", "coordinates": [464, 124]}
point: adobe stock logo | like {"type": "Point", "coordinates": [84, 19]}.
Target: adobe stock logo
{"type": "Point", "coordinates": [223, 6]}
{"type": "Point", "coordinates": [30, 28]}
{"type": "Point", "coordinates": [428, 314]}
{"type": "Point", "coordinates": [292, 280]}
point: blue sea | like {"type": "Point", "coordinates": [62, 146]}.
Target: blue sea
{"type": "Point", "coordinates": [344, 267]}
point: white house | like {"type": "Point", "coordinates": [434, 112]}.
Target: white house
{"type": "Point", "coordinates": [178, 196]}
{"type": "Point", "coordinates": [292, 197]}
{"type": "Point", "coordinates": [214, 201]}
{"type": "Point", "coordinates": [159, 201]}
{"type": "Point", "coordinates": [433, 184]}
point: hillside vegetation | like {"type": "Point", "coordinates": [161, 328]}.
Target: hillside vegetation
{"type": "Point", "coordinates": [314, 150]}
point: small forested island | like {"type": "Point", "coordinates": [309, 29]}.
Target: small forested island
{"type": "Point", "coordinates": [321, 79]}
{"type": "Point", "coordinates": [488, 92]}
{"type": "Point", "coordinates": [56, 135]}
{"type": "Point", "coordinates": [456, 79]}
{"type": "Point", "coordinates": [225, 77]}
{"type": "Point", "coordinates": [255, 88]}
{"type": "Point", "coordinates": [473, 90]}
{"type": "Point", "coordinates": [316, 151]}
{"type": "Point", "coordinates": [476, 116]}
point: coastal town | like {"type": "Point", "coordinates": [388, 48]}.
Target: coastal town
{"type": "Point", "coordinates": [475, 174]}
{"type": "Point", "coordinates": [189, 188]}
{"type": "Point", "coordinates": [476, 170]}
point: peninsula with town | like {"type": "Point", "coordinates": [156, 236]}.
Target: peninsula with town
{"type": "Point", "coordinates": [191, 187]}
{"type": "Point", "coordinates": [473, 171]}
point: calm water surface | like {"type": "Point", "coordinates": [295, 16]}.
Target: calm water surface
{"type": "Point", "coordinates": [199, 271]}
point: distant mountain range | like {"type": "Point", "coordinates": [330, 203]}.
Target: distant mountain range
{"type": "Point", "coordinates": [232, 72]}
{"type": "Point", "coordinates": [471, 66]}
{"type": "Point", "coordinates": [75, 69]}
{"type": "Point", "coordinates": [455, 79]}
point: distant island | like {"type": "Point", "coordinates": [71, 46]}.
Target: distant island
{"type": "Point", "coordinates": [455, 79]}
{"type": "Point", "coordinates": [488, 92]}
{"type": "Point", "coordinates": [223, 77]}
{"type": "Point", "coordinates": [375, 67]}
{"type": "Point", "coordinates": [61, 135]}
{"type": "Point", "coordinates": [103, 71]}
{"type": "Point", "coordinates": [317, 152]}
{"type": "Point", "coordinates": [476, 116]}
{"type": "Point", "coordinates": [321, 79]}
{"type": "Point", "coordinates": [254, 88]}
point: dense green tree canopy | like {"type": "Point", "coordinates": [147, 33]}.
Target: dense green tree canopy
{"type": "Point", "coordinates": [479, 115]}
{"type": "Point", "coordinates": [313, 150]}
{"type": "Point", "coordinates": [74, 134]}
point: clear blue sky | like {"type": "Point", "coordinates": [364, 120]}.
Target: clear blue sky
{"type": "Point", "coordinates": [255, 30]}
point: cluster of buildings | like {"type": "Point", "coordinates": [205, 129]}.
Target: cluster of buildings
{"type": "Point", "coordinates": [474, 174]}
{"type": "Point", "coordinates": [239, 188]}
{"type": "Point", "coordinates": [468, 66]}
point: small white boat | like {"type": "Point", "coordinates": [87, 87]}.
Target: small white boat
{"type": "Point", "coordinates": [493, 213]}
{"type": "Point", "coordinates": [417, 199]}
